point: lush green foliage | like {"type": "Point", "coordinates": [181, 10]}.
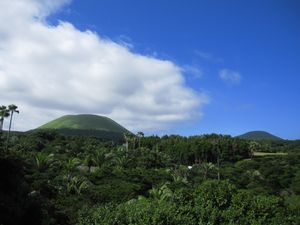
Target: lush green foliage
{"type": "Point", "coordinates": [47, 178]}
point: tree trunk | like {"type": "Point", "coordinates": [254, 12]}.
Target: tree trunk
{"type": "Point", "coordinates": [7, 139]}
{"type": "Point", "coordinates": [1, 124]}
{"type": "Point", "coordinates": [218, 166]}
{"type": "Point", "coordinates": [139, 142]}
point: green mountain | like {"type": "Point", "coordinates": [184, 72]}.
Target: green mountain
{"type": "Point", "coordinates": [86, 125]}
{"type": "Point", "coordinates": [259, 135]}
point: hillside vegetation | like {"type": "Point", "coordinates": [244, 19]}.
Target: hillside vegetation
{"type": "Point", "coordinates": [259, 136]}
{"type": "Point", "coordinates": [85, 122]}
{"type": "Point", "coordinates": [87, 125]}
{"type": "Point", "coordinates": [48, 178]}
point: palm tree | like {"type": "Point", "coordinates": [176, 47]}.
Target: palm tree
{"type": "Point", "coordinates": [126, 137]}
{"type": "Point", "coordinates": [42, 161]}
{"type": "Point", "coordinates": [99, 157]}
{"type": "Point", "coordinates": [216, 147]}
{"type": "Point", "coordinates": [121, 161]}
{"type": "Point", "coordinates": [4, 112]}
{"type": "Point", "coordinates": [12, 108]}
{"type": "Point", "coordinates": [164, 193]}
{"type": "Point", "coordinates": [180, 174]}
{"type": "Point", "coordinates": [140, 135]}
{"type": "Point", "coordinates": [206, 168]}
{"type": "Point", "coordinates": [75, 185]}
{"type": "Point", "coordinates": [71, 164]}
{"type": "Point", "coordinates": [129, 139]}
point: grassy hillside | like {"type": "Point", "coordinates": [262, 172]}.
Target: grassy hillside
{"type": "Point", "coordinates": [85, 122]}
{"type": "Point", "coordinates": [86, 125]}
{"type": "Point", "coordinates": [259, 135]}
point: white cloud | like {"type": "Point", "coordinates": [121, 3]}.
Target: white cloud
{"type": "Point", "coordinates": [193, 70]}
{"type": "Point", "coordinates": [49, 71]}
{"type": "Point", "coordinates": [230, 76]}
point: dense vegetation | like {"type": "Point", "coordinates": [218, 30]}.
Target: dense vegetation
{"type": "Point", "coordinates": [48, 178]}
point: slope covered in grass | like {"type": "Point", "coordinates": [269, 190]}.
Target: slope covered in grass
{"type": "Point", "coordinates": [85, 122]}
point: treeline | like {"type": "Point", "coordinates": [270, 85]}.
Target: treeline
{"type": "Point", "coordinates": [199, 149]}
{"type": "Point", "coordinates": [176, 149]}
{"type": "Point", "coordinates": [48, 178]}
{"type": "Point", "coordinates": [280, 146]}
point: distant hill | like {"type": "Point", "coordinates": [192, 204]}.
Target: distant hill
{"type": "Point", "coordinates": [259, 136]}
{"type": "Point", "coordinates": [86, 125]}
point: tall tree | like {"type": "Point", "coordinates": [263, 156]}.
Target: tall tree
{"type": "Point", "coordinates": [4, 112]}
{"type": "Point", "coordinates": [12, 109]}
{"type": "Point", "coordinates": [129, 139]}
{"type": "Point", "coordinates": [140, 135]}
{"type": "Point", "coordinates": [126, 137]}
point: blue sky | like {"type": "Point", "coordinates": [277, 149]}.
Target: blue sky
{"type": "Point", "coordinates": [184, 67]}
{"type": "Point", "coordinates": [258, 39]}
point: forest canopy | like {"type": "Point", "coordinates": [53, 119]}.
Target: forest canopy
{"type": "Point", "coordinates": [49, 178]}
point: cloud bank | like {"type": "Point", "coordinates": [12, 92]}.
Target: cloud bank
{"type": "Point", "coordinates": [49, 71]}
